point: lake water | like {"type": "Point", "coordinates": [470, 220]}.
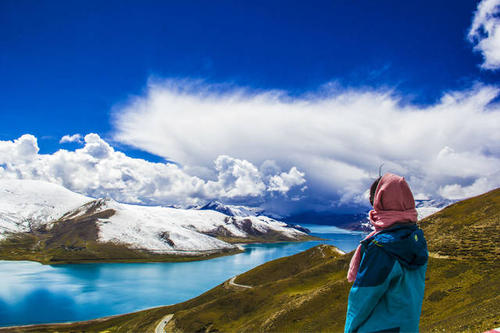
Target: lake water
{"type": "Point", "coordinates": [33, 293]}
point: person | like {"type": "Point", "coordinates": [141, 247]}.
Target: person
{"type": "Point", "coordinates": [388, 267]}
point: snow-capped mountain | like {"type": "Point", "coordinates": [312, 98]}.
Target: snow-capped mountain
{"type": "Point", "coordinates": [28, 205]}
{"type": "Point", "coordinates": [424, 208]}
{"type": "Point", "coordinates": [232, 210]}
{"type": "Point", "coordinates": [431, 206]}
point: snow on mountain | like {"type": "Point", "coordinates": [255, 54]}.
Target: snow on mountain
{"type": "Point", "coordinates": [232, 210]}
{"type": "Point", "coordinates": [424, 208]}
{"type": "Point", "coordinates": [429, 207]}
{"type": "Point", "coordinates": [167, 229]}
{"type": "Point", "coordinates": [27, 205]}
{"type": "Point", "coordinates": [30, 204]}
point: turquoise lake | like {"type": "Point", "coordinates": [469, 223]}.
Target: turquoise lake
{"type": "Point", "coordinates": [32, 293]}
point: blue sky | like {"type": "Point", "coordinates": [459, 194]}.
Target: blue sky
{"type": "Point", "coordinates": [65, 64]}
{"type": "Point", "coordinates": [71, 66]}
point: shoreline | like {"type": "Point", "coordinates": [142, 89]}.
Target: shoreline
{"type": "Point", "coordinates": [170, 258]}
{"type": "Point", "coordinates": [56, 325]}
{"type": "Point", "coordinates": [147, 256]}
{"type": "Point", "coordinates": [67, 324]}
{"type": "Point", "coordinates": [153, 315]}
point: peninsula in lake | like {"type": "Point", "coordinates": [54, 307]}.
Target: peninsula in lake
{"type": "Point", "coordinates": [45, 222]}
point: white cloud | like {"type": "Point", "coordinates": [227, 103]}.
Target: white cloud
{"type": "Point", "coordinates": [479, 186]}
{"type": "Point", "coordinates": [284, 181]}
{"type": "Point", "coordinates": [485, 32]}
{"type": "Point", "coordinates": [240, 177]}
{"type": "Point", "coordinates": [338, 138]}
{"type": "Point", "coordinates": [71, 138]}
{"type": "Point", "coordinates": [260, 147]}
{"type": "Point", "coordinates": [98, 170]}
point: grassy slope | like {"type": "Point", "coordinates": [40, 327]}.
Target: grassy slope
{"type": "Point", "coordinates": [308, 292]}
{"type": "Point", "coordinates": [468, 229]}
{"type": "Point", "coordinates": [463, 291]}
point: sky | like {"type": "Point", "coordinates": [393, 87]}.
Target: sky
{"type": "Point", "coordinates": [286, 105]}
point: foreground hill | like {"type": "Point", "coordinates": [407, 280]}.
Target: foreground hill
{"type": "Point", "coordinates": [469, 229]}
{"type": "Point", "coordinates": [48, 223]}
{"type": "Point", "coordinates": [308, 292]}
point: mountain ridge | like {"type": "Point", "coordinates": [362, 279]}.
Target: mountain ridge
{"type": "Point", "coordinates": [40, 224]}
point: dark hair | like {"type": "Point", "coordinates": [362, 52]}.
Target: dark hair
{"type": "Point", "coordinates": [373, 188]}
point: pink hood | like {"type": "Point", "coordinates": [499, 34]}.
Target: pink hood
{"type": "Point", "coordinates": [393, 202]}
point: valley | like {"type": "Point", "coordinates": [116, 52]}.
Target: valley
{"type": "Point", "coordinates": [308, 291]}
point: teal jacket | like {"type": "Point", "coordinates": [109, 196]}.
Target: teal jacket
{"type": "Point", "coordinates": [388, 291]}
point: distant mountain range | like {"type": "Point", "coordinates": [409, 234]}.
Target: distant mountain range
{"type": "Point", "coordinates": [308, 292]}
{"type": "Point", "coordinates": [232, 210]}
{"type": "Point", "coordinates": [431, 206]}
{"type": "Point", "coordinates": [48, 223]}
{"type": "Point", "coordinates": [359, 221]}
{"type": "Point", "coordinates": [245, 211]}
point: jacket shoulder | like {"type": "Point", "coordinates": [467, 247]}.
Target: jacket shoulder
{"type": "Point", "coordinates": [375, 267]}
{"type": "Point", "coordinates": [405, 243]}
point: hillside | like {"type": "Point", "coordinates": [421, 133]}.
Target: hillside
{"type": "Point", "coordinates": [47, 223]}
{"type": "Point", "coordinates": [308, 292]}
{"type": "Point", "coordinates": [468, 229]}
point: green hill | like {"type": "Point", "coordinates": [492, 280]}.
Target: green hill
{"type": "Point", "coordinates": [468, 229]}
{"type": "Point", "coordinates": [308, 292]}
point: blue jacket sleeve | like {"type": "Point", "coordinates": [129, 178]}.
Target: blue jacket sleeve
{"type": "Point", "coordinates": [376, 270]}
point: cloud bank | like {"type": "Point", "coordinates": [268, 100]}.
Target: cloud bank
{"type": "Point", "coordinates": [337, 138]}
{"type": "Point", "coordinates": [98, 170]}
{"type": "Point", "coordinates": [485, 33]}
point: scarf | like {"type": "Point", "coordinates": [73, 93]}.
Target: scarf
{"type": "Point", "coordinates": [393, 203]}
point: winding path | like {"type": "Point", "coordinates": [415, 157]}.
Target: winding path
{"type": "Point", "coordinates": [160, 328]}
{"type": "Point", "coordinates": [232, 283]}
